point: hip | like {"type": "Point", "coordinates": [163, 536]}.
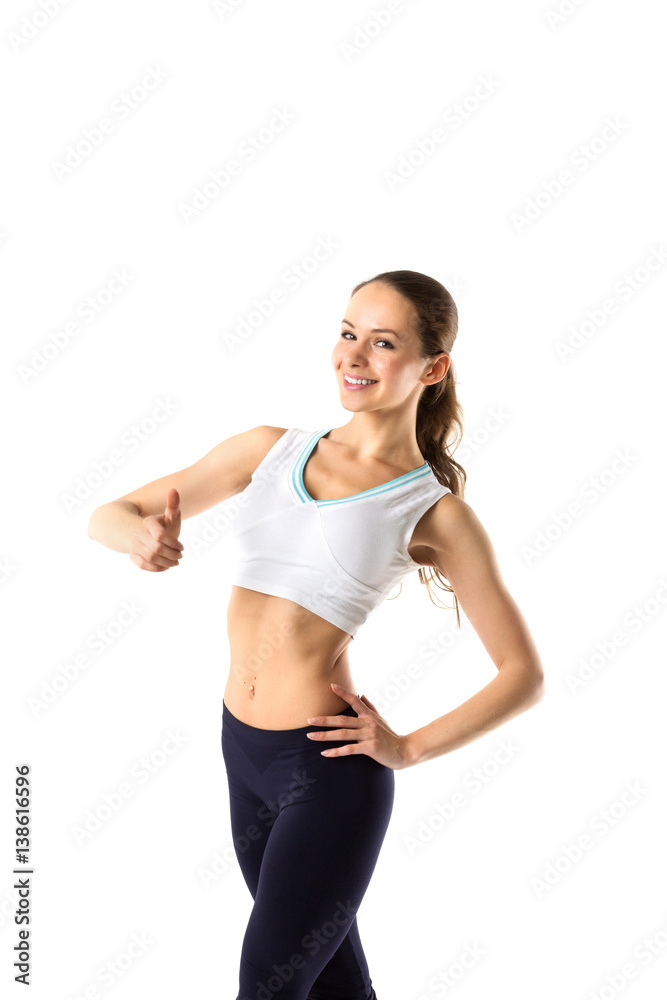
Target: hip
{"type": "Point", "coordinates": [285, 766]}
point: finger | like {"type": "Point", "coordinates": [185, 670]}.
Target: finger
{"type": "Point", "coordinates": [152, 546]}
{"type": "Point", "coordinates": [336, 720]}
{"type": "Point", "coordinates": [161, 535]}
{"type": "Point", "coordinates": [166, 545]}
{"type": "Point", "coordinates": [335, 734]}
{"type": "Point", "coordinates": [144, 564]}
{"type": "Point", "coordinates": [345, 751]}
{"type": "Point", "coordinates": [342, 692]}
{"type": "Point", "coordinates": [159, 556]}
{"type": "Point", "coordinates": [172, 511]}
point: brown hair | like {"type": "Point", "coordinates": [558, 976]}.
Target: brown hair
{"type": "Point", "coordinates": [439, 412]}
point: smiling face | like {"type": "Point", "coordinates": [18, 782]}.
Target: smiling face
{"type": "Point", "coordinates": [379, 342]}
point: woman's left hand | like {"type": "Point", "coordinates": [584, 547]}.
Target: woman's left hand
{"type": "Point", "coordinates": [375, 736]}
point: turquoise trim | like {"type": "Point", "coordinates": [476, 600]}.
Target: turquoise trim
{"type": "Point", "coordinates": [305, 497]}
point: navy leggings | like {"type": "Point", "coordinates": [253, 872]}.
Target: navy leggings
{"type": "Point", "coordinates": [307, 833]}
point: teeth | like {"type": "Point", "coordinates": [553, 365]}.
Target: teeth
{"type": "Point", "coordinates": [360, 381]}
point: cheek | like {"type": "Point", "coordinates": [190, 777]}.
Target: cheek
{"type": "Point", "coordinates": [386, 366]}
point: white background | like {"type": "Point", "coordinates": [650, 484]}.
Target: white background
{"type": "Point", "coordinates": [496, 876]}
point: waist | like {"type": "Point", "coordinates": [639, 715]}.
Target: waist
{"type": "Point", "coordinates": [261, 625]}
{"type": "Point", "coordinates": [291, 736]}
{"type": "Point", "coordinates": [283, 659]}
{"type": "Point", "coordinates": [285, 698]}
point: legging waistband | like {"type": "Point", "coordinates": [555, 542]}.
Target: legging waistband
{"type": "Point", "coordinates": [275, 737]}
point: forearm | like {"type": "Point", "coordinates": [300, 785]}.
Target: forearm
{"type": "Point", "coordinates": [114, 523]}
{"type": "Point", "coordinates": [512, 691]}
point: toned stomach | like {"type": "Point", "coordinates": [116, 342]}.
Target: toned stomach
{"type": "Point", "coordinates": [289, 655]}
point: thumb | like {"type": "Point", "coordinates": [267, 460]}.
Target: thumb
{"type": "Point", "coordinates": [172, 511]}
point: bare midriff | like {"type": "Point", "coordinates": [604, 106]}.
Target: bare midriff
{"type": "Point", "coordinates": [283, 659]}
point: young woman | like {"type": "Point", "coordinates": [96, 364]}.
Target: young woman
{"type": "Point", "coordinates": [330, 521]}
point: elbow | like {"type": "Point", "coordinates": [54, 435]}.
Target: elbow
{"type": "Point", "coordinates": [93, 523]}
{"type": "Point", "coordinates": [529, 679]}
{"type": "Point", "coordinates": [537, 687]}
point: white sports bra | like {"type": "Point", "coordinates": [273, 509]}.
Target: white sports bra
{"type": "Point", "coordinates": [338, 558]}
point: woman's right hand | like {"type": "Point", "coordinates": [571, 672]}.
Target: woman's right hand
{"type": "Point", "coordinates": [155, 544]}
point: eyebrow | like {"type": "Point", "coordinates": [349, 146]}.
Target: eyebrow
{"type": "Point", "coordinates": [375, 330]}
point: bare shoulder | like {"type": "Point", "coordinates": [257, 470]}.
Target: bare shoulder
{"type": "Point", "coordinates": [260, 441]}
{"type": "Point", "coordinates": [448, 531]}
{"type": "Point", "coordinates": [444, 520]}
{"type": "Point", "coordinates": [269, 434]}
{"type": "Point", "coordinates": [251, 448]}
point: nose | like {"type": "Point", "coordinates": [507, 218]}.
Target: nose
{"type": "Point", "coordinates": [354, 355]}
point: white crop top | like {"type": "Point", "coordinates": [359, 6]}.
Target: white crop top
{"type": "Point", "coordinates": [338, 558]}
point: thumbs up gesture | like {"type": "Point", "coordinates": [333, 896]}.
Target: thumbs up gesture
{"type": "Point", "coordinates": [155, 544]}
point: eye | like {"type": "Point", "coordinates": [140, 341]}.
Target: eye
{"type": "Point", "coordinates": [346, 333]}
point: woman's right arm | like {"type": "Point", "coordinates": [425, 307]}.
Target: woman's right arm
{"type": "Point", "coordinates": [227, 469]}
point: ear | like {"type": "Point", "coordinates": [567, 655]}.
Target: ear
{"type": "Point", "coordinates": [438, 370]}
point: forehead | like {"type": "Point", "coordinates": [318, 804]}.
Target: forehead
{"type": "Point", "coordinates": [381, 309]}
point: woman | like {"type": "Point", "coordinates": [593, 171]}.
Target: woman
{"type": "Point", "coordinates": [329, 522]}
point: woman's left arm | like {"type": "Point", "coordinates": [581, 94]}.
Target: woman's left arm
{"type": "Point", "coordinates": [455, 542]}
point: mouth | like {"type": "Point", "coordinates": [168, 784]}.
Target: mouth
{"type": "Point", "coordinates": [350, 382]}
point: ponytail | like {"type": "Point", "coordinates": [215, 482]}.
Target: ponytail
{"type": "Point", "coordinates": [439, 430]}
{"type": "Point", "coordinates": [439, 413]}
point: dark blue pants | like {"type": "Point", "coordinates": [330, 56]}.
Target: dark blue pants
{"type": "Point", "coordinates": [307, 833]}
